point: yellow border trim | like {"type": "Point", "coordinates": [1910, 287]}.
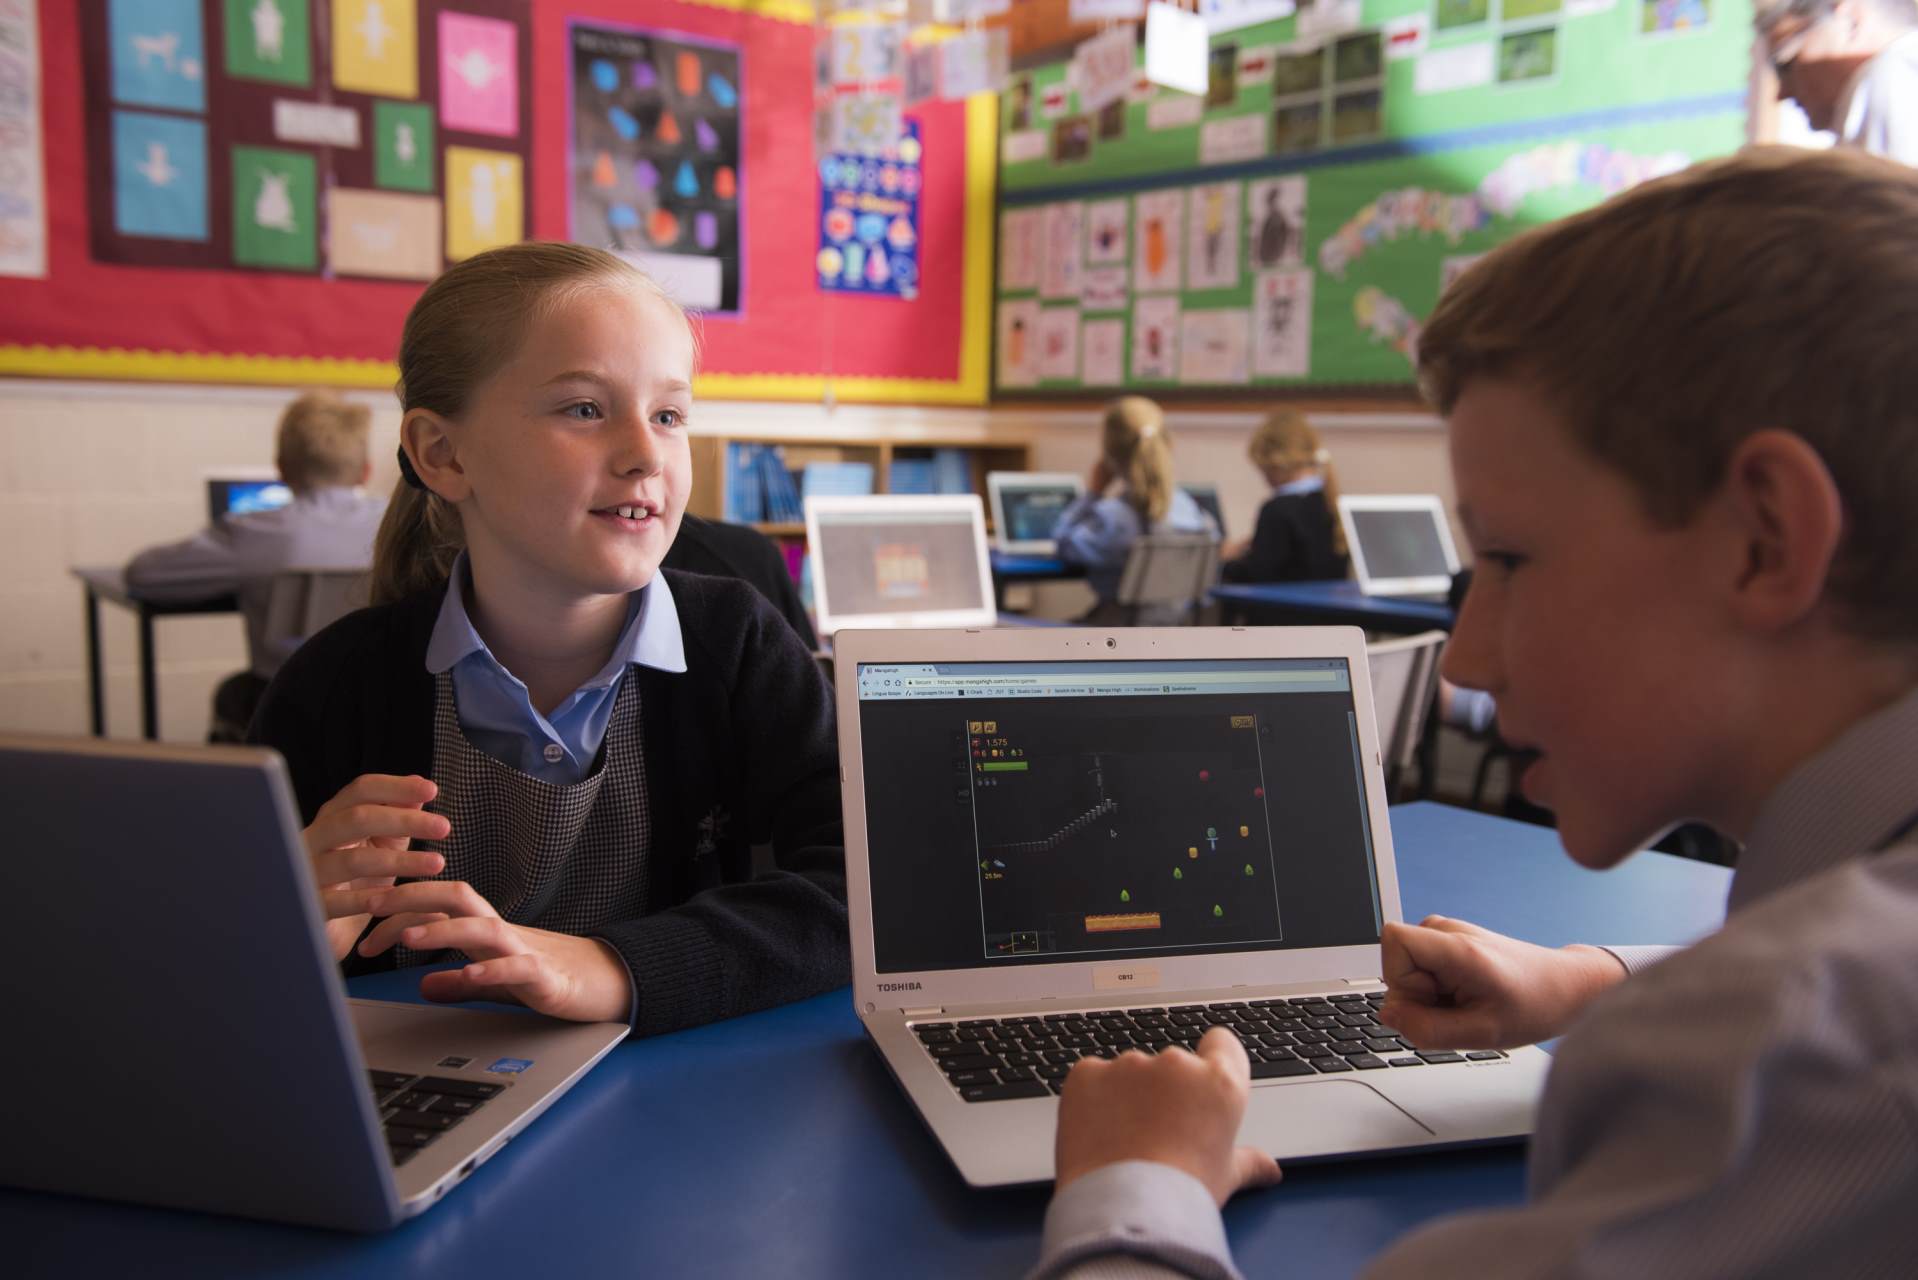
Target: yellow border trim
{"type": "Point", "coordinates": [120, 364]}
{"type": "Point", "coordinates": [777, 10]}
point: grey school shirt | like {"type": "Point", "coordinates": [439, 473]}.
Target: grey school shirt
{"type": "Point", "coordinates": [1747, 1107]}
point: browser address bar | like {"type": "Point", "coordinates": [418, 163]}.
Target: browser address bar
{"type": "Point", "coordinates": [1139, 678]}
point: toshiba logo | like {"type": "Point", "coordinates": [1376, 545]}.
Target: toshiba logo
{"type": "Point", "coordinates": [900, 986]}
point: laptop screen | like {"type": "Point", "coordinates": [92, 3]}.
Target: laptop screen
{"type": "Point", "coordinates": [1033, 812]}
{"type": "Point", "coordinates": [890, 562]}
{"type": "Point", "coordinates": [1207, 496]}
{"type": "Point", "coordinates": [1400, 543]}
{"type": "Point", "coordinates": [244, 497]}
{"type": "Point", "coordinates": [1031, 511]}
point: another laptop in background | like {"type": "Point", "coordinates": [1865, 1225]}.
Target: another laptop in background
{"type": "Point", "coordinates": [899, 561]}
{"type": "Point", "coordinates": [1072, 842]}
{"type": "Point", "coordinates": [1207, 496]}
{"type": "Point", "coordinates": [1026, 506]}
{"type": "Point", "coordinates": [1401, 544]}
{"type": "Point", "coordinates": [242, 491]}
{"type": "Point", "coordinates": [187, 1019]}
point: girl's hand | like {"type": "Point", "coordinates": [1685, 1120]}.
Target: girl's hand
{"type": "Point", "coordinates": [554, 973]}
{"type": "Point", "coordinates": [359, 843]}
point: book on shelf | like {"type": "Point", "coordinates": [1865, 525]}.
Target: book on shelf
{"type": "Point", "coordinates": [822, 479]}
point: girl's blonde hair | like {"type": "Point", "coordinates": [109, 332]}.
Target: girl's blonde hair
{"type": "Point", "coordinates": [1139, 448]}
{"type": "Point", "coordinates": [461, 331]}
{"type": "Point", "coordinates": [1286, 441]}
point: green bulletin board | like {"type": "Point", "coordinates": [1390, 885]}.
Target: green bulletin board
{"type": "Point", "coordinates": [1294, 225]}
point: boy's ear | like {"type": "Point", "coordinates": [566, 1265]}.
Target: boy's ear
{"type": "Point", "coordinates": [428, 441]}
{"type": "Point", "coordinates": [1788, 512]}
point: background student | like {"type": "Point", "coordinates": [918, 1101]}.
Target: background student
{"type": "Point", "coordinates": [1694, 600]}
{"type": "Point", "coordinates": [1298, 537]}
{"type": "Point", "coordinates": [1135, 462]}
{"type": "Point", "coordinates": [321, 453]}
{"type": "Point", "coordinates": [587, 747]}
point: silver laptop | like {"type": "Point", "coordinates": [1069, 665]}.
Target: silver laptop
{"type": "Point", "coordinates": [1401, 544]}
{"type": "Point", "coordinates": [187, 1021]}
{"type": "Point", "coordinates": [904, 560]}
{"type": "Point", "coordinates": [1026, 506]}
{"type": "Point", "coordinates": [1073, 841]}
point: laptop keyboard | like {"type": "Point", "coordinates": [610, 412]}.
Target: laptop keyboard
{"type": "Point", "coordinates": [414, 1110]}
{"type": "Point", "coordinates": [992, 1059]}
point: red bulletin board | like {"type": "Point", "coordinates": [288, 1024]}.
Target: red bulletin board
{"type": "Point", "coordinates": [790, 341]}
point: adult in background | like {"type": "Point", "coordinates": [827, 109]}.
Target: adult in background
{"type": "Point", "coordinates": [1851, 65]}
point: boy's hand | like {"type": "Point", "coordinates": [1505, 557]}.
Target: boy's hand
{"type": "Point", "coordinates": [1173, 1107]}
{"type": "Point", "coordinates": [1453, 985]}
{"type": "Point", "coordinates": [359, 844]}
{"type": "Point", "coordinates": [554, 973]}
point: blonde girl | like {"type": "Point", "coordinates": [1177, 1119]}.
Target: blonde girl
{"type": "Point", "coordinates": [1298, 537]}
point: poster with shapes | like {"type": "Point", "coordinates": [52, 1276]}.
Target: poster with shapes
{"type": "Point", "coordinates": [383, 235]}
{"type": "Point", "coordinates": [1106, 222]}
{"type": "Point", "coordinates": [1212, 247]}
{"type": "Point", "coordinates": [869, 221]}
{"type": "Point", "coordinates": [403, 146]}
{"type": "Point", "coordinates": [655, 158]}
{"type": "Point", "coordinates": [158, 53]}
{"type": "Point", "coordinates": [1157, 221]}
{"type": "Point", "coordinates": [1275, 222]}
{"type": "Point", "coordinates": [1061, 266]}
{"type": "Point", "coordinates": [1105, 289]}
{"type": "Point", "coordinates": [1155, 339]}
{"type": "Point", "coordinates": [479, 75]}
{"type": "Point", "coordinates": [1019, 231]}
{"type": "Point", "coordinates": [159, 177]}
{"type": "Point", "coordinates": [1282, 323]}
{"type": "Point", "coordinates": [1059, 344]}
{"type": "Point", "coordinates": [376, 47]}
{"type": "Point", "coordinates": [23, 188]}
{"type": "Point", "coordinates": [270, 40]}
{"type": "Point", "coordinates": [1018, 347]}
{"type": "Point", "coordinates": [1102, 358]}
{"type": "Point", "coordinates": [1212, 347]}
{"type": "Point", "coordinates": [863, 123]}
{"type": "Point", "coordinates": [483, 205]}
{"type": "Point", "coordinates": [275, 209]}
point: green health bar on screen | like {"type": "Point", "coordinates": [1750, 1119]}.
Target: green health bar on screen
{"type": "Point", "coordinates": [1006, 766]}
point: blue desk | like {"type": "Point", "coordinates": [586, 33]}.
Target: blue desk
{"type": "Point", "coordinates": [776, 1144]}
{"type": "Point", "coordinates": [1339, 603]}
{"type": "Point", "coordinates": [1008, 570]}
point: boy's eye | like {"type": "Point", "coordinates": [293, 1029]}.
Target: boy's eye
{"type": "Point", "coordinates": [1503, 561]}
{"type": "Point", "coordinates": [670, 418]}
{"type": "Point", "coordinates": [585, 411]}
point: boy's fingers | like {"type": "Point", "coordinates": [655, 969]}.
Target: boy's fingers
{"type": "Point", "coordinates": [1221, 1049]}
{"type": "Point", "coordinates": [1252, 1168]}
{"type": "Point", "coordinates": [1445, 956]}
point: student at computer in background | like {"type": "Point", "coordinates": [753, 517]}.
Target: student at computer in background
{"type": "Point", "coordinates": [1097, 530]}
{"type": "Point", "coordinates": [321, 453]}
{"type": "Point", "coordinates": [1298, 537]}
{"type": "Point", "coordinates": [566, 753]}
{"type": "Point", "coordinates": [1689, 486]}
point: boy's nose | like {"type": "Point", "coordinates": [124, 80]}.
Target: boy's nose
{"type": "Point", "coordinates": [1469, 660]}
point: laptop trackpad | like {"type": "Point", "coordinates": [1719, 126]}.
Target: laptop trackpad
{"type": "Point", "coordinates": [1326, 1117]}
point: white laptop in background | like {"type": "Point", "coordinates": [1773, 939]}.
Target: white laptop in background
{"type": "Point", "coordinates": [1401, 544]}
{"type": "Point", "coordinates": [1071, 841]}
{"type": "Point", "coordinates": [899, 561]}
{"type": "Point", "coordinates": [197, 1047]}
{"type": "Point", "coordinates": [1026, 505]}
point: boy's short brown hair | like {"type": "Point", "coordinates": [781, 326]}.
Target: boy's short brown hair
{"type": "Point", "coordinates": [1774, 288]}
{"type": "Point", "coordinates": [322, 442]}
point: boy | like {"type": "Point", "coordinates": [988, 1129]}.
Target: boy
{"type": "Point", "coordinates": [1684, 430]}
{"type": "Point", "coordinates": [321, 453]}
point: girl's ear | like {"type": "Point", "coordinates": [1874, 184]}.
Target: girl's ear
{"type": "Point", "coordinates": [430, 442]}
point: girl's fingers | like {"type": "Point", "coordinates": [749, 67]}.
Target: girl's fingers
{"type": "Point", "coordinates": [388, 931]}
{"type": "Point", "coordinates": [368, 862]}
{"type": "Point", "coordinates": [454, 897]}
{"type": "Point", "coordinates": [408, 790]}
{"type": "Point", "coordinates": [352, 824]}
{"type": "Point", "coordinates": [481, 938]}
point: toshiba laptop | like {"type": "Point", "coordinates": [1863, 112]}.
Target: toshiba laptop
{"type": "Point", "coordinates": [1026, 506]}
{"type": "Point", "coordinates": [1078, 841]}
{"type": "Point", "coordinates": [188, 1019]}
{"type": "Point", "coordinates": [1401, 544]}
{"type": "Point", "coordinates": [906, 560]}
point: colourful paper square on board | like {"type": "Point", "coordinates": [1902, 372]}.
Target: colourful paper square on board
{"type": "Point", "coordinates": [403, 145]}
{"type": "Point", "coordinates": [376, 47]}
{"type": "Point", "coordinates": [159, 176]}
{"type": "Point", "coordinates": [158, 53]}
{"type": "Point", "coordinates": [270, 40]}
{"type": "Point", "coordinates": [275, 222]}
{"type": "Point", "coordinates": [379, 234]}
{"type": "Point", "coordinates": [484, 208]}
{"type": "Point", "coordinates": [479, 74]}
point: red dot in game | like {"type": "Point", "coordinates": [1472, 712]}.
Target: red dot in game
{"type": "Point", "coordinates": [1205, 775]}
{"type": "Point", "coordinates": [1259, 792]}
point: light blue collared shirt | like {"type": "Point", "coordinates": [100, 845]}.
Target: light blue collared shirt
{"type": "Point", "coordinates": [1304, 484]}
{"type": "Point", "coordinates": [495, 710]}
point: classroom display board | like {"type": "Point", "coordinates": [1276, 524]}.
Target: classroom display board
{"type": "Point", "coordinates": [256, 190]}
{"type": "Point", "coordinates": [1295, 223]}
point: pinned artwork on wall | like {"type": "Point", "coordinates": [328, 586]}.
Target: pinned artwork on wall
{"type": "Point", "coordinates": [869, 220]}
{"type": "Point", "coordinates": [655, 159]}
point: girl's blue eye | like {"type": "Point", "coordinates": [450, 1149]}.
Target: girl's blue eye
{"type": "Point", "coordinates": [670, 418]}
{"type": "Point", "coordinates": [585, 411]}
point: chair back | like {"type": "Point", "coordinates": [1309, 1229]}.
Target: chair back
{"type": "Point", "coordinates": [1405, 675]}
{"type": "Point", "coordinates": [302, 601]}
{"type": "Point", "coordinates": [1168, 575]}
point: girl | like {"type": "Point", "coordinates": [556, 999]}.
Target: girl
{"type": "Point", "coordinates": [1298, 537]}
{"type": "Point", "coordinates": [584, 747]}
{"type": "Point", "coordinates": [1097, 531]}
